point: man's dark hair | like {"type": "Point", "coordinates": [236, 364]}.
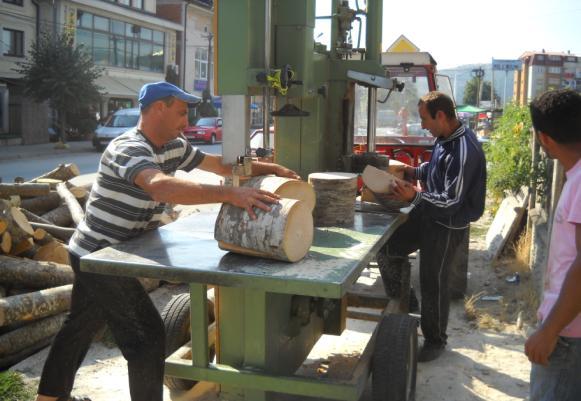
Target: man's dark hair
{"type": "Point", "coordinates": [557, 113]}
{"type": "Point", "coordinates": [437, 101]}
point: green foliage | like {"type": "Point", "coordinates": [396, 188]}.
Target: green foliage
{"type": "Point", "coordinates": [64, 75]}
{"type": "Point", "coordinates": [509, 154]}
{"type": "Point", "coordinates": [13, 388]}
{"type": "Point", "coordinates": [471, 90]}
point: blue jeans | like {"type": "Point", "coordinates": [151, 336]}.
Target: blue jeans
{"type": "Point", "coordinates": [561, 379]}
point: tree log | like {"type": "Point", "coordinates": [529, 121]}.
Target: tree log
{"type": "Point", "coordinates": [24, 190]}
{"type": "Point", "coordinates": [6, 242]}
{"type": "Point", "coordinates": [53, 252]}
{"type": "Point", "coordinates": [3, 224]}
{"type": "Point", "coordinates": [42, 204]}
{"type": "Point", "coordinates": [26, 336]}
{"type": "Point", "coordinates": [63, 172]}
{"type": "Point", "coordinates": [285, 187]}
{"type": "Point", "coordinates": [13, 359]}
{"type": "Point", "coordinates": [76, 210]}
{"type": "Point", "coordinates": [50, 181]}
{"type": "Point", "coordinates": [42, 237]}
{"type": "Point", "coordinates": [35, 305]}
{"type": "Point", "coordinates": [62, 233]}
{"type": "Point", "coordinates": [61, 216]}
{"type": "Point", "coordinates": [285, 233]}
{"type": "Point", "coordinates": [22, 247]}
{"type": "Point", "coordinates": [17, 225]}
{"type": "Point", "coordinates": [19, 272]}
{"type": "Point", "coordinates": [335, 198]}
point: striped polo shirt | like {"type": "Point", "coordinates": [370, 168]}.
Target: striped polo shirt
{"type": "Point", "coordinates": [117, 209]}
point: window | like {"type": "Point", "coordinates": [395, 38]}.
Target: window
{"type": "Point", "coordinates": [201, 64]}
{"type": "Point", "coordinates": [554, 70]}
{"type": "Point", "coordinates": [120, 44]}
{"type": "Point", "coordinates": [130, 3]}
{"type": "Point", "coordinates": [15, 2]}
{"type": "Point", "coordinates": [13, 43]}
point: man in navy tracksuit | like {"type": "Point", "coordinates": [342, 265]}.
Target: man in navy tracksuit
{"type": "Point", "coordinates": [452, 196]}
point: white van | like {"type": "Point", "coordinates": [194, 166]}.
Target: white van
{"type": "Point", "coordinates": [121, 121]}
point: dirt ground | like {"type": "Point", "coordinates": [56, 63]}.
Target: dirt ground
{"type": "Point", "coordinates": [484, 359]}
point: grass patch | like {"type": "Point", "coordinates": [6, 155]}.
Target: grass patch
{"type": "Point", "coordinates": [13, 388]}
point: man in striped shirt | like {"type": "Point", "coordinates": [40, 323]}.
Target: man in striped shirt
{"type": "Point", "coordinates": [452, 196]}
{"type": "Point", "coordinates": [134, 182]}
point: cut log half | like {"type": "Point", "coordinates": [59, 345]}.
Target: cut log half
{"type": "Point", "coordinates": [377, 180]}
{"type": "Point", "coordinates": [285, 187]}
{"type": "Point", "coordinates": [285, 233]}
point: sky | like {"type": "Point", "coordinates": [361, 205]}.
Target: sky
{"type": "Point", "coordinates": [464, 32]}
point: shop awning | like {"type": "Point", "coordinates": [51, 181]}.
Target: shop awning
{"type": "Point", "coordinates": [121, 87]}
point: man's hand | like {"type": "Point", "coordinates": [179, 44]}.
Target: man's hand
{"type": "Point", "coordinates": [282, 171]}
{"type": "Point", "coordinates": [248, 198]}
{"type": "Point", "coordinates": [540, 345]}
{"type": "Point", "coordinates": [403, 191]}
{"type": "Point", "coordinates": [408, 172]}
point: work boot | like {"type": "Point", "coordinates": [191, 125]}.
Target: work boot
{"type": "Point", "coordinates": [430, 351]}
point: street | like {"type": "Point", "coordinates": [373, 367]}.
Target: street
{"type": "Point", "coordinates": [87, 162]}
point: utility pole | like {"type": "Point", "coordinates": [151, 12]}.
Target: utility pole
{"type": "Point", "coordinates": [478, 73]}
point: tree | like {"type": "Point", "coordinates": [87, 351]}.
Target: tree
{"type": "Point", "coordinates": [471, 89]}
{"type": "Point", "coordinates": [65, 75]}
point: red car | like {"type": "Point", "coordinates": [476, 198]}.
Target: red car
{"type": "Point", "coordinates": [207, 129]}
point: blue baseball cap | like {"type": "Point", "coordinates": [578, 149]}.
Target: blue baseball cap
{"type": "Point", "coordinates": [150, 93]}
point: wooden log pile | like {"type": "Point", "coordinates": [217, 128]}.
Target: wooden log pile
{"type": "Point", "coordinates": [37, 219]}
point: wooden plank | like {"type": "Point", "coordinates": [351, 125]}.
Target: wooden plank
{"type": "Point", "coordinates": [506, 222]}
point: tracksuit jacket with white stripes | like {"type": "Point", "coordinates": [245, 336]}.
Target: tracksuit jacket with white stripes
{"type": "Point", "coordinates": [454, 180]}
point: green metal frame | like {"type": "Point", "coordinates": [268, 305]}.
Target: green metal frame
{"type": "Point", "coordinates": [257, 355]}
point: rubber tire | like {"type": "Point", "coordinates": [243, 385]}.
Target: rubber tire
{"type": "Point", "coordinates": [213, 139]}
{"type": "Point", "coordinates": [176, 319]}
{"type": "Point", "coordinates": [394, 362]}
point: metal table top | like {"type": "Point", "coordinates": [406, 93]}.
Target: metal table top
{"type": "Point", "coordinates": [185, 251]}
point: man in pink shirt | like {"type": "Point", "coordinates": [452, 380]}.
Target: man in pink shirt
{"type": "Point", "coordinates": [555, 347]}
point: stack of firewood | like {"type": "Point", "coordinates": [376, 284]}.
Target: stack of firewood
{"type": "Point", "coordinates": [37, 218]}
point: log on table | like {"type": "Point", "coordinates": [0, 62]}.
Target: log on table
{"type": "Point", "coordinates": [285, 187]}
{"type": "Point", "coordinates": [63, 172]}
{"type": "Point", "coordinates": [61, 216]}
{"type": "Point", "coordinates": [35, 305]}
{"type": "Point", "coordinates": [19, 272]}
{"type": "Point", "coordinates": [335, 198]}
{"type": "Point", "coordinates": [6, 242]}
{"type": "Point", "coordinates": [53, 252]}
{"type": "Point", "coordinates": [72, 203]}
{"type": "Point", "coordinates": [26, 336]}
{"type": "Point", "coordinates": [62, 233]}
{"type": "Point", "coordinates": [25, 190]}
{"type": "Point", "coordinates": [42, 237]}
{"type": "Point", "coordinates": [285, 233]}
{"type": "Point", "coordinates": [42, 204]}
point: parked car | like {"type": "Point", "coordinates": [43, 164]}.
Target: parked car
{"type": "Point", "coordinates": [207, 129]}
{"type": "Point", "coordinates": [256, 138]}
{"type": "Point", "coordinates": [121, 121]}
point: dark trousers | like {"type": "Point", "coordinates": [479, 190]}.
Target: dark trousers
{"type": "Point", "coordinates": [122, 304]}
{"type": "Point", "coordinates": [440, 248]}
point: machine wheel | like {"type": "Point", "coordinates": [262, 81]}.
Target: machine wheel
{"type": "Point", "coordinates": [176, 319]}
{"type": "Point", "coordinates": [394, 363]}
{"type": "Point", "coordinates": [213, 139]}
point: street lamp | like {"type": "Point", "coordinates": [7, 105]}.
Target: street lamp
{"type": "Point", "coordinates": [478, 73]}
{"type": "Point", "coordinates": [209, 36]}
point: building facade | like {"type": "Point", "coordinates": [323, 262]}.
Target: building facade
{"type": "Point", "coordinates": [126, 38]}
{"type": "Point", "coordinates": [543, 71]}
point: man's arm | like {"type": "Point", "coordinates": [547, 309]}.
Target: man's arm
{"type": "Point", "coordinates": [164, 188]}
{"type": "Point", "coordinates": [542, 342]}
{"type": "Point", "coordinates": [215, 164]}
